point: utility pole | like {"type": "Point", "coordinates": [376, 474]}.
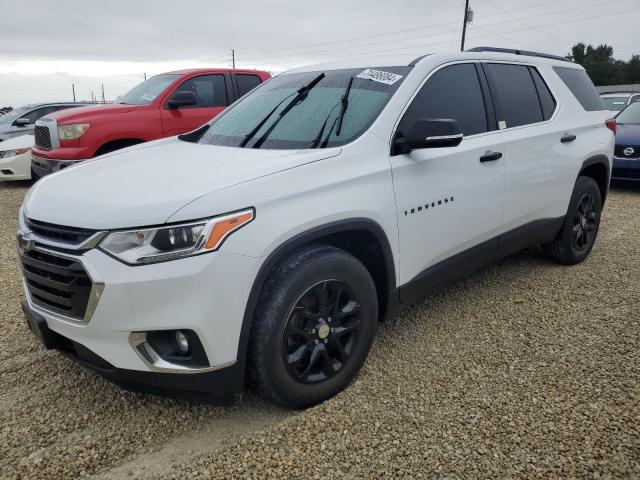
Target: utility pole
{"type": "Point", "coordinates": [73, 90]}
{"type": "Point", "coordinates": [468, 16]}
{"type": "Point", "coordinates": [102, 86]}
{"type": "Point", "coordinates": [93, 100]}
{"type": "Point", "coordinates": [233, 58]}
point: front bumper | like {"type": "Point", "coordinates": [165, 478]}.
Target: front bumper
{"type": "Point", "coordinates": [626, 169]}
{"type": "Point", "coordinates": [45, 166]}
{"type": "Point", "coordinates": [206, 294]}
{"type": "Point", "coordinates": [223, 384]}
{"type": "Point", "coordinates": [17, 167]}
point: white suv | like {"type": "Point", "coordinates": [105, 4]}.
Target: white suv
{"type": "Point", "coordinates": [266, 245]}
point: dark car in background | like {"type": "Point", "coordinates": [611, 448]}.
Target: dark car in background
{"type": "Point", "coordinates": [22, 120]}
{"type": "Point", "coordinates": [626, 157]}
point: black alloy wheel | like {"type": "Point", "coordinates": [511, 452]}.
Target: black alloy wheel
{"type": "Point", "coordinates": [321, 332]}
{"type": "Point", "coordinates": [313, 326]}
{"type": "Point", "coordinates": [584, 222]}
{"type": "Point", "coordinates": [578, 233]}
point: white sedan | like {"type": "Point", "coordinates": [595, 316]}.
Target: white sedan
{"type": "Point", "coordinates": [15, 158]}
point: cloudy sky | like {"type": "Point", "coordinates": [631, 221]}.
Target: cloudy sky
{"type": "Point", "coordinates": [46, 46]}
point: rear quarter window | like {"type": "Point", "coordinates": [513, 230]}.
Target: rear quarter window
{"type": "Point", "coordinates": [581, 87]}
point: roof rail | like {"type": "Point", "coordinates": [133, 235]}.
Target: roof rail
{"type": "Point", "coordinates": [518, 52]}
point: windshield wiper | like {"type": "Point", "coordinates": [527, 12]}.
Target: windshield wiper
{"type": "Point", "coordinates": [344, 104]}
{"type": "Point", "coordinates": [316, 141]}
{"type": "Point", "coordinates": [301, 94]}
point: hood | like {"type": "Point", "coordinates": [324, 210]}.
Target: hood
{"type": "Point", "coordinates": [144, 185]}
{"type": "Point", "coordinates": [627, 134]}
{"type": "Point", "coordinates": [76, 114]}
{"type": "Point", "coordinates": [23, 141]}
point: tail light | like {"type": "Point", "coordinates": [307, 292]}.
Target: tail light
{"type": "Point", "coordinates": [611, 125]}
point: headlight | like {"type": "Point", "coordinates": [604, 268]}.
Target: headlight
{"type": "Point", "coordinates": [151, 245]}
{"type": "Point", "coordinates": [13, 153]}
{"type": "Point", "coordinates": [72, 131]}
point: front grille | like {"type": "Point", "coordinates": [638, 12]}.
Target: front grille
{"type": "Point", "coordinates": [58, 284]}
{"type": "Point", "coordinates": [43, 137]}
{"type": "Point", "coordinates": [619, 151]}
{"type": "Point", "coordinates": [59, 234]}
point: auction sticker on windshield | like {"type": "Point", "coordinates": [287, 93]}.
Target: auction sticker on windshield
{"type": "Point", "coordinates": [387, 78]}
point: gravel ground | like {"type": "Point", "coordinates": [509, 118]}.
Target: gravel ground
{"type": "Point", "coordinates": [526, 369]}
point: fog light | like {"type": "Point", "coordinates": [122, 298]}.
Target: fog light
{"type": "Point", "coordinates": [183, 342]}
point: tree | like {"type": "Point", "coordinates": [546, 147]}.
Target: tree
{"type": "Point", "coordinates": [602, 67]}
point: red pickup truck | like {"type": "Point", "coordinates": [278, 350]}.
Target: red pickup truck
{"type": "Point", "coordinates": [165, 105]}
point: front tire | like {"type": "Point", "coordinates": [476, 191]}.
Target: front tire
{"type": "Point", "coordinates": [313, 327]}
{"type": "Point", "coordinates": [580, 228]}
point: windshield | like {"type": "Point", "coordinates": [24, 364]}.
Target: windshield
{"type": "Point", "coordinates": [615, 103]}
{"type": "Point", "coordinates": [312, 121]}
{"type": "Point", "coordinates": [147, 91]}
{"type": "Point", "coordinates": [630, 115]}
{"type": "Point", "coordinates": [14, 114]}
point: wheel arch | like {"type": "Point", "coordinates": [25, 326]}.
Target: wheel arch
{"type": "Point", "coordinates": [117, 144]}
{"type": "Point", "coordinates": [359, 236]}
{"type": "Point", "coordinates": [598, 168]}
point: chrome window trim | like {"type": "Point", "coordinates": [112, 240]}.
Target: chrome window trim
{"type": "Point", "coordinates": [524, 63]}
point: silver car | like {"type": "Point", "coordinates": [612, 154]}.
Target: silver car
{"type": "Point", "coordinates": [22, 120]}
{"type": "Point", "coordinates": [618, 101]}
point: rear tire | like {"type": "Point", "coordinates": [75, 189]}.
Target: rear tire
{"type": "Point", "coordinates": [313, 327]}
{"type": "Point", "coordinates": [580, 228]}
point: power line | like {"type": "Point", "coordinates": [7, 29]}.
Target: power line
{"type": "Point", "coordinates": [520, 20]}
{"type": "Point", "coordinates": [252, 59]}
{"type": "Point", "coordinates": [491, 34]}
{"type": "Point", "coordinates": [501, 36]}
{"type": "Point", "coordinates": [311, 45]}
{"type": "Point", "coordinates": [385, 42]}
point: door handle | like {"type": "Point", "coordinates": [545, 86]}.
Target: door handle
{"type": "Point", "coordinates": [566, 138]}
{"type": "Point", "coordinates": [490, 156]}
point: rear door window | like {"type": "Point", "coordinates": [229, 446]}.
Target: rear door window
{"type": "Point", "coordinates": [210, 90]}
{"type": "Point", "coordinates": [65, 107]}
{"type": "Point", "coordinates": [514, 94]}
{"type": "Point", "coordinates": [582, 87]}
{"type": "Point", "coordinates": [452, 92]}
{"type": "Point", "coordinates": [246, 83]}
{"type": "Point", "coordinates": [38, 113]}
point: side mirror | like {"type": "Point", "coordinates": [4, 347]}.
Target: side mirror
{"type": "Point", "coordinates": [22, 122]}
{"type": "Point", "coordinates": [430, 133]}
{"type": "Point", "coordinates": [182, 98]}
